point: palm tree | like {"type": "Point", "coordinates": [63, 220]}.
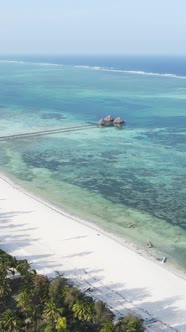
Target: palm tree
{"type": "Point", "coordinates": [61, 324]}
{"type": "Point", "coordinates": [83, 310]}
{"type": "Point", "coordinates": [10, 322]}
{"type": "Point", "coordinates": [4, 290]}
{"type": "Point", "coordinates": [3, 270]}
{"type": "Point", "coordinates": [52, 313]}
{"type": "Point", "coordinates": [12, 264]}
{"type": "Point", "coordinates": [72, 295]}
{"type": "Point", "coordinates": [23, 267]}
{"type": "Point", "coordinates": [24, 299]}
{"type": "Point", "coordinates": [108, 327]}
{"type": "Point", "coordinates": [58, 289]}
{"type": "Point", "coordinates": [33, 313]}
{"type": "Point", "coordinates": [101, 313]}
{"type": "Point", "coordinates": [40, 288]}
{"type": "Point", "coordinates": [130, 323]}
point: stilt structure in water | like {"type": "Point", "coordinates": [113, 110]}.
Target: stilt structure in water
{"type": "Point", "coordinates": [109, 121]}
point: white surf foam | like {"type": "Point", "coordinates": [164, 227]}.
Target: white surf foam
{"type": "Point", "coordinates": [32, 63]}
{"type": "Point", "coordinates": [132, 72]}
{"type": "Point", "coordinates": [111, 69]}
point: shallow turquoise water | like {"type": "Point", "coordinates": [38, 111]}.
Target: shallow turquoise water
{"type": "Point", "coordinates": [111, 177]}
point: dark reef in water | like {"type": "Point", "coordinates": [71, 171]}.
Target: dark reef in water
{"type": "Point", "coordinates": [134, 187]}
{"type": "Point", "coordinates": [52, 115]}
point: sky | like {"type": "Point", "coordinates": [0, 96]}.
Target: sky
{"type": "Point", "coordinates": [92, 27]}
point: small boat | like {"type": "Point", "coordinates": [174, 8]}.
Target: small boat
{"type": "Point", "coordinates": [164, 259]}
{"type": "Point", "coordinates": [149, 321]}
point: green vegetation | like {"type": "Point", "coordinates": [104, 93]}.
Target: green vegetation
{"type": "Point", "coordinates": [30, 302]}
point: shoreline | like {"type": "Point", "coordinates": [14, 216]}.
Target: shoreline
{"type": "Point", "coordinates": [87, 223]}
{"type": "Point", "coordinates": [124, 278]}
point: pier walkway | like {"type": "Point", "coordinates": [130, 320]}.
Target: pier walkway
{"type": "Point", "coordinates": [46, 132]}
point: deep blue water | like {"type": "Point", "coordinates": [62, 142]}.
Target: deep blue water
{"type": "Point", "coordinates": [154, 64]}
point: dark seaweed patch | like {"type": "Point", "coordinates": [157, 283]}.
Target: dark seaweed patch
{"type": "Point", "coordinates": [167, 138]}
{"type": "Point", "coordinates": [39, 161]}
{"type": "Point", "coordinates": [142, 188]}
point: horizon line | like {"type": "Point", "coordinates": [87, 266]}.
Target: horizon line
{"type": "Point", "coordinates": [93, 54]}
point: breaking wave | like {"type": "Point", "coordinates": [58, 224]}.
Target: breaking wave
{"type": "Point", "coordinates": [107, 69]}
{"type": "Point", "coordinates": [132, 72]}
{"type": "Point", "coordinates": [32, 63]}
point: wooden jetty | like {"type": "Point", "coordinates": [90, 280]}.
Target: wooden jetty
{"type": "Point", "coordinates": [46, 132]}
{"type": "Point", "coordinates": [107, 121]}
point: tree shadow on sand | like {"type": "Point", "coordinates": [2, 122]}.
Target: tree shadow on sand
{"type": "Point", "coordinates": [122, 300]}
{"type": "Point", "coordinates": [119, 298]}
{"type": "Point", "coordinates": [7, 216]}
{"type": "Point", "coordinates": [15, 237]}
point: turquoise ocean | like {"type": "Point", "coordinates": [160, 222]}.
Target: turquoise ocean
{"type": "Point", "coordinates": [130, 182]}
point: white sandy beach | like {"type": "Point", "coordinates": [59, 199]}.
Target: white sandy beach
{"type": "Point", "coordinates": [53, 241]}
